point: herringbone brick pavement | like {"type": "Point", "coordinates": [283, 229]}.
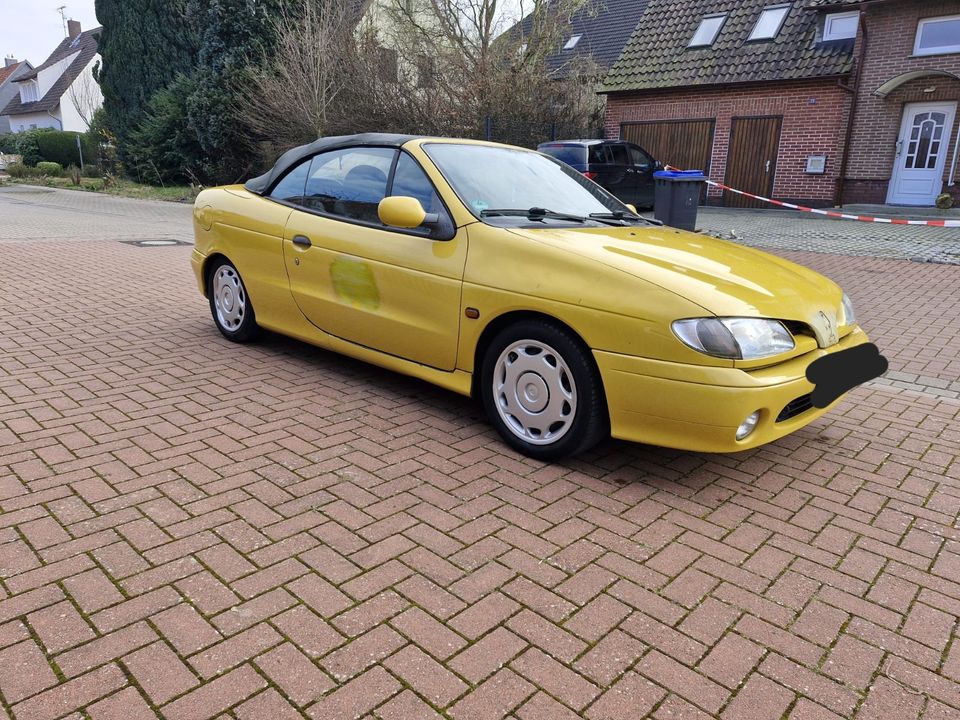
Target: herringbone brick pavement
{"type": "Point", "coordinates": [190, 529]}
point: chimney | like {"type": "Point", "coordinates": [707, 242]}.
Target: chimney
{"type": "Point", "coordinates": [73, 27]}
{"type": "Point", "coordinates": [8, 61]}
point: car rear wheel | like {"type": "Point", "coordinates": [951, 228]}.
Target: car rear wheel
{"type": "Point", "coordinates": [542, 391]}
{"type": "Point", "coordinates": [229, 303]}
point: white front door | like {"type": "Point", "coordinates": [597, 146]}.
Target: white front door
{"type": "Point", "coordinates": [921, 153]}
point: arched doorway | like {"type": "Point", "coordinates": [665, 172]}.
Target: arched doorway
{"type": "Point", "coordinates": [923, 144]}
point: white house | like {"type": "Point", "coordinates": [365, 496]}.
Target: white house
{"type": "Point", "coordinates": [61, 93]}
{"type": "Point", "coordinates": [12, 70]}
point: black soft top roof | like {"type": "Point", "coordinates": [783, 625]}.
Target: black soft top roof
{"type": "Point", "coordinates": [289, 159]}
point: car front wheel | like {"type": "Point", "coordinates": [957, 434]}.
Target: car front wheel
{"type": "Point", "coordinates": [229, 303]}
{"type": "Point", "coordinates": [542, 391]}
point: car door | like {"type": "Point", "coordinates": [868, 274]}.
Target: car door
{"type": "Point", "coordinates": [642, 167]}
{"type": "Point", "coordinates": [619, 175]}
{"type": "Point", "coordinates": [393, 290]}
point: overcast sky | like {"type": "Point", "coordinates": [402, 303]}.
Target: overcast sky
{"type": "Point", "coordinates": [31, 29]}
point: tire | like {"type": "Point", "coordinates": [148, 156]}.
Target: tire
{"type": "Point", "coordinates": [542, 391]}
{"type": "Point", "coordinates": [230, 304]}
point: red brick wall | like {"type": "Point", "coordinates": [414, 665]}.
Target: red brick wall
{"type": "Point", "coordinates": [808, 128]}
{"type": "Point", "coordinates": [891, 33]}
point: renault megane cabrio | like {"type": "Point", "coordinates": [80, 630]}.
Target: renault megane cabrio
{"type": "Point", "coordinates": [501, 273]}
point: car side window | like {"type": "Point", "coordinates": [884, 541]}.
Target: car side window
{"type": "Point", "coordinates": [410, 180]}
{"type": "Point", "coordinates": [290, 188]}
{"type": "Point", "coordinates": [349, 183]}
{"type": "Point", "coordinates": [639, 158]}
{"type": "Point", "coordinates": [619, 154]}
{"type": "Point", "coordinates": [596, 155]}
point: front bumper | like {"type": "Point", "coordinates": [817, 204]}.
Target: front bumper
{"type": "Point", "coordinates": [699, 408]}
{"type": "Point", "coordinates": [197, 260]}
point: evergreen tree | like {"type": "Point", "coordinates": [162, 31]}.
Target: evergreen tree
{"type": "Point", "coordinates": [145, 45]}
{"type": "Point", "coordinates": [234, 33]}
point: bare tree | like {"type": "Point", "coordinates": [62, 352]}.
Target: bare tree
{"type": "Point", "coordinates": [487, 63]}
{"type": "Point", "coordinates": [436, 67]}
{"type": "Point", "coordinates": [85, 95]}
{"type": "Point", "coordinates": [292, 94]}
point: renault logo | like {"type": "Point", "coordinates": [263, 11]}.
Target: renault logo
{"type": "Point", "coordinates": [828, 327]}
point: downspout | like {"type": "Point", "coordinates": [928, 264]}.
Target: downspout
{"type": "Point", "coordinates": [59, 121]}
{"type": "Point", "coordinates": [855, 90]}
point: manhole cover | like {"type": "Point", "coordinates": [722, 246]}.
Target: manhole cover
{"type": "Point", "coordinates": [160, 242]}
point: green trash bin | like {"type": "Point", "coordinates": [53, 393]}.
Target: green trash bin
{"type": "Point", "coordinates": [676, 196]}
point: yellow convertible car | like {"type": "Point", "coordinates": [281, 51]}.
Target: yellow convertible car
{"type": "Point", "coordinates": [502, 273]}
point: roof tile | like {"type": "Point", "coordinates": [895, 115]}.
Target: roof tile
{"type": "Point", "coordinates": [84, 48]}
{"type": "Point", "coordinates": [657, 56]}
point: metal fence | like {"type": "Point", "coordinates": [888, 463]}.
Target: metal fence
{"type": "Point", "coordinates": [532, 134]}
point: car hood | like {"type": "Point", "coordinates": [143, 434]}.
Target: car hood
{"type": "Point", "coordinates": [724, 278]}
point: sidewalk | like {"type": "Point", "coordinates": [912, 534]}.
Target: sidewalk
{"type": "Point", "coordinates": [792, 230]}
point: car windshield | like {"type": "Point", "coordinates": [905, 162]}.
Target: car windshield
{"type": "Point", "coordinates": [488, 179]}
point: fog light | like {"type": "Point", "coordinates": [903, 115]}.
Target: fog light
{"type": "Point", "coordinates": [748, 425]}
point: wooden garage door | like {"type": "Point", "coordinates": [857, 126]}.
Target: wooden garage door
{"type": "Point", "coordinates": [686, 144]}
{"type": "Point", "coordinates": [752, 159]}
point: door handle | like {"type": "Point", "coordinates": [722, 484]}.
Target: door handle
{"type": "Point", "coordinates": [768, 167]}
{"type": "Point", "coordinates": [302, 240]}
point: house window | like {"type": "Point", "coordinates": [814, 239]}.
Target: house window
{"type": "Point", "coordinates": [938, 35]}
{"type": "Point", "coordinates": [426, 71]}
{"type": "Point", "coordinates": [708, 31]}
{"type": "Point", "coordinates": [841, 26]}
{"type": "Point", "coordinates": [769, 23]}
{"type": "Point", "coordinates": [387, 64]}
{"type": "Point", "coordinates": [572, 42]}
{"type": "Point", "coordinates": [28, 92]}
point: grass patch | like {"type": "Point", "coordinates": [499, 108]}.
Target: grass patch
{"type": "Point", "coordinates": [118, 188]}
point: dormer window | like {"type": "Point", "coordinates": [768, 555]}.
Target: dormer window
{"type": "Point", "coordinates": [28, 92]}
{"type": "Point", "coordinates": [769, 23]}
{"type": "Point", "coordinates": [572, 42]}
{"type": "Point", "coordinates": [708, 30]}
{"type": "Point", "coordinates": [841, 26]}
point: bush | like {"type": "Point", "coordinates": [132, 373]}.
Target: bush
{"type": "Point", "coordinates": [8, 144]}
{"type": "Point", "coordinates": [73, 172]}
{"type": "Point", "coordinates": [27, 144]}
{"type": "Point", "coordinates": [92, 171]}
{"type": "Point", "coordinates": [50, 168]}
{"type": "Point", "coordinates": [61, 147]}
{"type": "Point", "coordinates": [163, 149]}
{"type": "Point", "coordinates": [20, 171]}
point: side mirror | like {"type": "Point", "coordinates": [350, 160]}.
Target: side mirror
{"type": "Point", "coordinates": [632, 208]}
{"type": "Point", "coordinates": [404, 212]}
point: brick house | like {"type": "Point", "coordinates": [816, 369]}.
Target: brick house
{"type": "Point", "coordinates": [814, 101]}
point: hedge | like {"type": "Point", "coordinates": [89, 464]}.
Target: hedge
{"type": "Point", "coordinates": [61, 147]}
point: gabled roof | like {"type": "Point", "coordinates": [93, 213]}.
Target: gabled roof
{"type": "Point", "coordinates": [657, 55]}
{"type": "Point", "coordinates": [6, 72]}
{"type": "Point", "coordinates": [83, 47]}
{"type": "Point", "coordinates": [604, 26]}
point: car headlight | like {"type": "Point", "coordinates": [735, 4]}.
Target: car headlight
{"type": "Point", "coordinates": [849, 316]}
{"type": "Point", "coordinates": [734, 338]}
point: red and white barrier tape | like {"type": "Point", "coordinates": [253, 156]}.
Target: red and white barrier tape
{"type": "Point", "coordinates": [833, 213]}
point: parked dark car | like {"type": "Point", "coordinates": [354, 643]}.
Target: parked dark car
{"type": "Point", "coordinates": [622, 168]}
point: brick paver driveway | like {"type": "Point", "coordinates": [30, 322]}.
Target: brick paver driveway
{"type": "Point", "coordinates": [192, 529]}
